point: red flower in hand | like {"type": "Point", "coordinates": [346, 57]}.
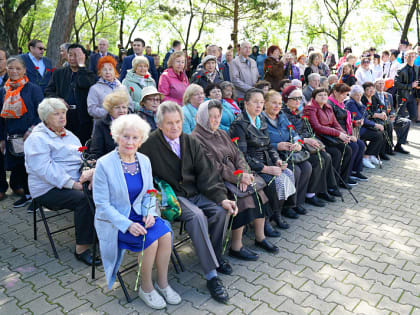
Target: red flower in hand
{"type": "Point", "coordinates": [294, 113]}
{"type": "Point", "coordinates": [81, 149]}
{"type": "Point", "coordinates": [305, 117]}
{"type": "Point", "coordinates": [354, 114]}
{"type": "Point", "coordinates": [237, 172]}
{"type": "Point", "coordinates": [381, 106]}
{"type": "Point", "coordinates": [404, 99]}
{"type": "Point", "coordinates": [234, 140]}
{"type": "Point", "coordinates": [269, 67]}
{"type": "Point", "coordinates": [300, 141]}
{"type": "Point", "coordinates": [36, 68]}
{"type": "Point", "coordinates": [131, 89]}
{"type": "Point", "coordinates": [152, 192]}
{"type": "Point", "coordinates": [48, 69]}
{"type": "Point", "coordinates": [53, 69]}
{"type": "Point", "coordinates": [290, 127]}
{"type": "Point", "coordinates": [198, 76]}
{"type": "Point", "coordinates": [146, 76]}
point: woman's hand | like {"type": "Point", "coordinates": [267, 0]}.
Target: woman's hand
{"type": "Point", "coordinates": [87, 177]}
{"type": "Point", "coordinates": [353, 139]}
{"type": "Point", "coordinates": [379, 127]}
{"type": "Point", "coordinates": [3, 147]}
{"type": "Point", "coordinates": [246, 180]}
{"type": "Point", "coordinates": [136, 229]}
{"type": "Point", "coordinates": [149, 221]}
{"type": "Point", "coordinates": [272, 170]}
{"type": "Point", "coordinates": [343, 137]}
{"type": "Point", "coordinates": [284, 146]}
{"type": "Point", "coordinates": [296, 147]}
{"type": "Point", "coordinates": [311, 142]}
{"type": "Point", "coordinates": [230, 206]}
{"type": "Point", "coordinates": [77, 186]}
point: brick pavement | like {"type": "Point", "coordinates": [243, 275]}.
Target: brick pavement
{"type": "Point", "coordinates": [343, 259]}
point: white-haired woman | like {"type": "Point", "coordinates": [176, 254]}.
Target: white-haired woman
{"type": "Point", "coordinates": [137, 78]}
{"type": "Point", "coordinates": [193, 97]}
{"type": "Point", "coordinates": [126, 213]}
{"type": "Point", "coordinates": [53, 160]}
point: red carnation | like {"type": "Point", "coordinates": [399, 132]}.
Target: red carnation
{"type": "Point", "coordinates": [81, 149]}
{"type": "Point", "coordinates": [36, 68]}
{"type": "Point", "coordinates": [198, 76]}
{"type": "Point", "coordinates": [354, 114]}
{"type": "Point", "coordinates": [235, 139]}
{"type": "Point", "coordinates": [381, 106]}
{"type": "Point", "coordinates": [404, 99]}
{"type": "Point", "coordinates": [152, 192]}
{"type": "Point", "coordinates": [131, 89]}
{"type": "Point", "coordinates": [48, 69]}
{"type": "Point", "coordinates": [221, 69]}
{"type": "Point", "coordinates": [146, 76]}
{"type": "Point", "coordinates": [294, 113]}
{"type": "Point", "coordinates": [290, 127]}
{"type": "Point", "coordinates": [305, 117]}
{"type": "Point", "coordinates": [240, 99]}
{"type": "Point", "coordinates": [237, 172]}
{"type": "Point", "coordinates": [206, 72]}
{"type": "Point", "coordinates": [269, 67]}
{"type": "Point", "coordinates": [53, 69]}
{"type": "Point", "coordinates": [300, 141]}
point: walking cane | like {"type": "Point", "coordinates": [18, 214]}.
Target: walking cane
{"type": "Point", "coordinates": [345, 185]}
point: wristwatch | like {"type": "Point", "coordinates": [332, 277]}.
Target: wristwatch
{"type": "Point", "coordinates": [81, 65]}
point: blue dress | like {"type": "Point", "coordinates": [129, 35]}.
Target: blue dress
{"type": "Point", "coordinates": [127, 240]}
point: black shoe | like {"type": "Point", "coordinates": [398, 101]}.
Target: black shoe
{"type": "Point", "coordinates": [217, 290]}
{"type": "Point", "coordinates": [345, 186]}
{"type": "Point", "coordinates": [315, 201]}
{"type": "Point", "coordinates": [390, 152]}
{"type": "Point", "coordinates": [351, 182]}
{"type": "Point", "coordinates": [281, 224]}
{"type": "Point", "coordinates": [30, 209]}
{"type": "Point", "coordinates": [384, 157]}
{"type": "Point", "coordinates": [326, 197]}
{"type": "Point", "coordinates": [243, 254]}
{"type": "Point", "coordinates": [335, 192]}
{"type": "Point", "coordinates": [266, 245]}
{"type": "Point", "coordinates": [398, 148]}
{"type": "Point", "coordinates": [360, 177]}
{"type": "Point", "coordinates": [224, 268]}
{"type": "Point", "coordinates": [300, 210]}
{"type": "Point", "coordinates": [289, 213]}
{"type": "Point", "coordinates": [86, 257]}
{"type": "Point", "coordinates": [270, 231]}
{"type": "Point", "coordinates": [23, 201]}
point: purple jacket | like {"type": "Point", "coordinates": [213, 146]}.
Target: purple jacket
{"type": "Point", "coordinates": [293, 73]}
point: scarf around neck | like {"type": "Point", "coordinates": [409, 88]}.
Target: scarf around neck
{"type": "Point", "coordinates": [13, 105]}
{"type": "Point", "coordinates": [348, 118]}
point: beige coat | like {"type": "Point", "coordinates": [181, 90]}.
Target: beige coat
{"type": "Point", "coordinates": [243, 74]}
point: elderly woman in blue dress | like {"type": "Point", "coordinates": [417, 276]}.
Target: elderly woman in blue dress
{"type": "Point", "coordinates": [126, 212]}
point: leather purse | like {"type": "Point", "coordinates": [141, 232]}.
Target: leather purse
{"type": "Point", "coordinates": [331, 141]}
{"type": "Point", "coordinates": [16, 145]}
{"type": "Point", "coordinates": [259, 184]}
{"type": "Point", "coordinates": [311, 149]}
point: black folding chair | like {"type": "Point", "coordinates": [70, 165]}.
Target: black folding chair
{"type": "Point", "coordinates": [36, 205]}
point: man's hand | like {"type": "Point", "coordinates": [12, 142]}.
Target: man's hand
{"type": "Point", "coordinates": [80, 56]}
{"type": "Point", "coordinates": [415, 84]}
{"type": "Point", "coordinates": [230, 207]}
{"type": "Point", "coordinates": [87, 177]}
{"type": "Point", "coordinates": [77, 186]}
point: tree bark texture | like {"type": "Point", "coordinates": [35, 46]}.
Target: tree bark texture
{"type": "Point", "coordinates": [61, 28]}
{"type": "Point", "coordinates": [408, 19]}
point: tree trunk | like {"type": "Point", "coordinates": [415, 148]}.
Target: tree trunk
{"type": "Point", "coordinates": [9, 23]}
{"type": "Point", "coordinates": [290, 25]}
{"type": "Point", "coordinates": [418, 26]}
{"type": "Point", "coordinates": [408, 20]}
{"type": "Point", "coordinates": [234, 35]}
{"type": "Point", "coordinates": [61, 28]}
{"type": "Point", "coordinates": [339, 39]}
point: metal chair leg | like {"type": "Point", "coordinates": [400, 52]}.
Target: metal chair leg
{"type": "Point", "coordinates": [174, 262]}
{"type": "Point", "coordinates": [34, 205]}
{"type": "Point", "coordinates": [178, 259]}
{"type": "Point", "coordinates": [41, 210]}
{"type": "Point", "coordinates": [94, 254]}
{"type": "Point", "coordinates": [127, 296]}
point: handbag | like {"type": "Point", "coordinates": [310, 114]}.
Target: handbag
{"type": "Point", "coordinates": [170, 208]}
{"type": "Point", "coordinates": [300, 156]}
{"type": "Point", "coordinates": [259, 184]}
{"type": "Point", "coordinates": [331, 141]}
{"type": "Point", "coordinates": [16, 145]}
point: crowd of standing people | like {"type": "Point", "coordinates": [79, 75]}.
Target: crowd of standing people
{"type": "Point", "coordinates": [236, 139]}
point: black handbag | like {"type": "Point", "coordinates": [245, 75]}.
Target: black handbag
{"type": "Point", "coordinates": [331, 141]}
{"type": "Point", "coordinates": [15, 145]}
{"type": "Point", "coordinates": [311, 149]}
{"type": "Point", "coordinates": [259, 184]}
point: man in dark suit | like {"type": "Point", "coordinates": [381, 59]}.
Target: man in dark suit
{"type": "Point", "coordinates": [103, 51]}
{"type": "Point", "coordinates": [38, 68]}
{"type": "Point", "coordinates": [407, 85]}
{"type": "Point", "coordinates": [138, 48]}
{"type": "Point", "coordinates": [72, 84]}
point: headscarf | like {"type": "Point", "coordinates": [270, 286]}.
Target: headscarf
{"type": "Point", "coordinates": [13, 105]}
{"type": "Point", "coordinates": [202, 116]}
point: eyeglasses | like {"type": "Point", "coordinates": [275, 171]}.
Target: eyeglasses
{"type": "Point", "coordinates": [41, 48]}
{"type": "Point", "coordinates": [297, 98]}
{"type": "Point", "coordinates": [153, 99]}
{"type": "Point", "coordinates": [366, 61]}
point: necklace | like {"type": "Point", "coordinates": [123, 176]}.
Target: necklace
{"type": "Point", "coordinates": [130, 168]}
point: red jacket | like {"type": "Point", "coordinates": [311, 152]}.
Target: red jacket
{"type": "Point", "coordinates": [322, 120]}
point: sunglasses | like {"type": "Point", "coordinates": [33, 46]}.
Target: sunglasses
{"type": "Point", "coordinates": [41, 48]}
{"type": "Point", "coordinates": [297, 98]}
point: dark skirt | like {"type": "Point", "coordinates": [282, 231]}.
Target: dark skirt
{"type": "Point", "coordinates": [135, 243]}
{"type": "Point", "coordinates": [247, 215]}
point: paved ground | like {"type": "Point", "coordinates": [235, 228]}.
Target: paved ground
{"type": "Point", "coordinates": [346, 258]}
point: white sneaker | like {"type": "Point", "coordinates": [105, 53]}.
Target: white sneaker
{"type": "Point", "coordinates": [374, 160]}
{"type": "Point", "coordinates": [170, 295]}
{"type": "Point", "coordinates": [152, 299]}
{"type": "Point", "coordinates": [367, 163]}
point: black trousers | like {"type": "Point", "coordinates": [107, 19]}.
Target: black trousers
{"type": "Point", "coordinates": [75, 200]}
{"type": "Point", "coordinates": [389, 142]}
{"type": "Point", "coordinates": [338, 158]}
{"type": "Point", "coordinates": [302, 172]}
{"type": "Point", "coordinates": [3, 181]}
{"type": "Point", "coordinates": [323, 177]}
{"type": "Point", "coordinates": [376, 140]}
{"type": "Point", "coordinates": [19, 178]}
{"type": "Point", "coordinates": [401, 127]}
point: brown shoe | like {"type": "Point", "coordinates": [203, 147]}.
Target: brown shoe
{"type": "Point", "coordinates": [19, 192]}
